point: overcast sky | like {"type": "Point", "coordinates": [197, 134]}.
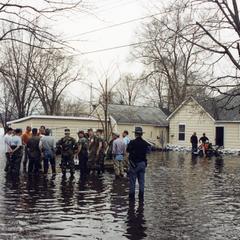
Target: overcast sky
{"type": "Point", "coordinates": [104, 13]}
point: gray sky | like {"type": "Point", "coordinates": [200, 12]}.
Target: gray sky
{"type": "Point", "coordinates": [105, 13]}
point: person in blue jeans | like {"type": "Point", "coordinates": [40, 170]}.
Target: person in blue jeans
{"type": "Point", "coordinates": [48, 145]}
{"type": "Point", "coordinates": [137, 150]}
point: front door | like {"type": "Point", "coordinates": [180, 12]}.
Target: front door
{"type": "Point", "coordinates": [220, 136]}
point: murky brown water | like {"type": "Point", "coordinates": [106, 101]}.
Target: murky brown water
{"type": "Point", "coordinates": [184, 199]}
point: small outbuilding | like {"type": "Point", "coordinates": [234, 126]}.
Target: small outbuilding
{"type": "Point", "coordinates": [218, 117]}
{"type": "Point", "coordinates": [57, 123]}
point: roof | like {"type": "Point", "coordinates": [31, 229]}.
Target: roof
{"type": "Point", "coordinates": [225, 108]}
{"type": "Point", "coordinates": [52, 117]}
{"type": "Point", "coordinates": [138, 115]}
{"type": "Point", "coordinates": [184, 102]}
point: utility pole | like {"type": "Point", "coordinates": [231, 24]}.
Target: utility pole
{"type": "Point", "coordinates": [91, 98]}
{"type": "Point", "coordinates": [106, 109]}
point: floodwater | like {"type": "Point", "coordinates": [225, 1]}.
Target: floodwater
{"type": "Point", "coordinates": [185, 198]}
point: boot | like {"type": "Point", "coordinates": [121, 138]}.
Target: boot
{"type": "Point", "coordinates": [141, 196]}
{"type": "Point", "coordinates": [63, 174]}
{"type": "Point", "coordinates": [72, 175]}
{"type": "Point", "coordinates": [131, 197]}
{"type": "Point", "coordinates": [53, 170]}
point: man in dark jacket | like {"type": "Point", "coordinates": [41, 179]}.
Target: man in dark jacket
{"type": "Point", "coordinates": [194, 141]}
{"type": "Point", "coordinates": [82, 153]}
{"type": "Point", "coordinates": [137, 150]}
{"type": "Point", "coordinates": [34, 152]}
{"type": "Point", "coordinates": [68, 146]}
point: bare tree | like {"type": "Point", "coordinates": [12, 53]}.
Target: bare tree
{"type": "Point", "coordinates": [128, 89]}
{"type": "Point", "coordinates": [106, 98]}
{"type": "Point", "coordinates": [70, 107]}
{"type": "Point", "coordinates": [171, 63]}
{"type": "Point", "coordinates": [217, 23]}
{"type": "Point", "coordinates": [16, 16]}
{"type": "Point", "coordinates": [106, 94]}
{"type": "Point", "coordinates": [51, 73]}
{"type": "Point", "coordinates": [15, 72]}
{"type": "Point", "coordinates": [7, 106]}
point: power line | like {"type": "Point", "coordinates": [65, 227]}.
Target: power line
{"type": "Point", "coordinates": [99, 10]}
{"type": "Point", "coordinates": [119, 24]}
{"type": "Point", "coordinates": [112, 48]}
{"type": "Point", "coordinates": [112, 6]}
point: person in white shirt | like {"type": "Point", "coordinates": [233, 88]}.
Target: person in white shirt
{"type": "Point", "coordinates": [126, 138]}
{"type": "Point", "coordinates": [8, 150]}
{"type": "Point", "coordinates": [17, 152]}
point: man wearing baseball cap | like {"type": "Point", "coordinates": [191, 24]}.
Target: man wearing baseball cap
{"type": "Point", "coordinates": [68, 146]}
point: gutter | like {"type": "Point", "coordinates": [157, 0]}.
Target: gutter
{"type": "Point", "coordinates": [227, 121]}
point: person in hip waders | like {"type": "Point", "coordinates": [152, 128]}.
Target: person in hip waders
{"type": "Point", "coordinates": [68, 146]}
{"type": "Point", "coordinates": [137, 150]}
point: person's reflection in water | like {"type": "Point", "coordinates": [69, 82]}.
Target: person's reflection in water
{"type": "Point", "coordinates": [12, 192]}
{"type": "Point", "coordinates": [219, 164]}
{"type": "Point", "coordinates": [181, 160]}
{"type": "Point", "coordinates": [13, 182]}
{"type": "Point", "coordinates": [194, 160]}
{"type": "Point", "coordinates": [80, 194]}
{"type": "Point", "coordinates": [67, 192]}
{"type": "Point", "coordinates": [136, 228]}
{"type": "Point", "coordinates": [119, 197]}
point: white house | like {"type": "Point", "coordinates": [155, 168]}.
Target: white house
{"type": "Point", "coordinates": [218, 117]}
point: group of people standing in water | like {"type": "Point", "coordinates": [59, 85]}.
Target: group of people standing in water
{"type": "Point", "coordinates": [36, 149]}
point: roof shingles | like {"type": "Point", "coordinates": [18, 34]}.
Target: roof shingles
{"type": "Point", "coordinates": [138, 115]}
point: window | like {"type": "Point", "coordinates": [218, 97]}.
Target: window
{"type": "Point", "coordinates": [181, 132]}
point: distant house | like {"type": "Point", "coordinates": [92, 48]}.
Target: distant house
{"type": "Point", "coordinates": [218, 117]}
{"type": "Point", "coordinates": [152, 120]}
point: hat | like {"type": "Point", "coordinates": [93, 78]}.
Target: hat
{"type": "Point", "coordinates": [115, 134]}
{"type": "Point", "coordinates": [34, 130]}
{"type": "Point", "coordinates": [99, 130]}
{"type": "Point", "coordinates": [138, 130]}
{"type": "Point", "coordinates": [18, 130]}
{"type": "Point", "coordinates": [67, 130]}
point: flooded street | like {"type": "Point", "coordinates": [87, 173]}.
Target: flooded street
{"type": "Point", "coordinates": [184, 199]}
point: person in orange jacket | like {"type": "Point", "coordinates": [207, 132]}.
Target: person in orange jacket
{"type": "Point", "coordinates": [25, 138]}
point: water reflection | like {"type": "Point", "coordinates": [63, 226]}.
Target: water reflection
{"type": "Point", "coordinates": [66, 193]}
{"type": "Point", "coordinates": [194, 160]}
{"type": "Point", "coordinates": [136, 229]}
{"type": "Point", "coordinates": [186, 197]}
{"type": "Point", "coordinates": [219, 164]}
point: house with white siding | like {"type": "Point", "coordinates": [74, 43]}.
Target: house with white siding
{"type": "Point", "coordinates": [218, 117]}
